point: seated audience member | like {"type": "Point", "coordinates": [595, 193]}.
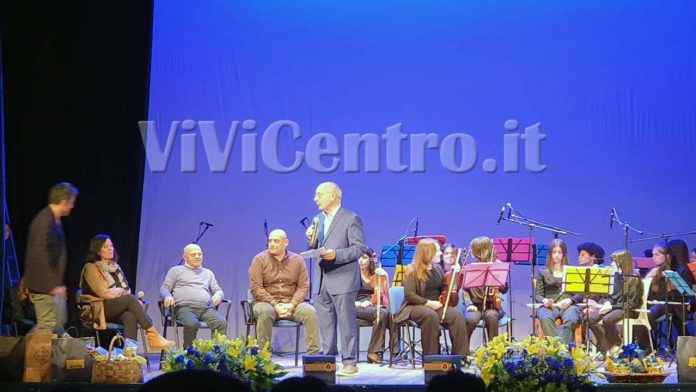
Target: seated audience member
{"type": "Point", "coordinates": [194, 293]}
{"type": "Point", "coordinates": [105, 287]}
{"type": "Point", "coordinates": [279, 283]}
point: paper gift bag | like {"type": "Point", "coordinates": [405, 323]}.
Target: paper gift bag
{"type": "Point", "coordinates": [70, 360]}
{"type": "Point", "coordinates": [686, 359]}
{"type": "Point", "coordinates": [37, 357]}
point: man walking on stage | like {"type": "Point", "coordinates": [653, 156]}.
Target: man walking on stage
{"type": "Point", "coordinates": [47, 260]}
{"type": "Point", "coordinates": [340, 233]}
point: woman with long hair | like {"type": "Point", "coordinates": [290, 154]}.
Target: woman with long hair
{"type": "Point", "coordinates": [480, 301]}
{"type": "Point", "coordinates": [628, 292]}
{"type": "Point", "coordinates": [366, 306]}
{"type": "Point", "coordinates": [660, 288]}
{"type": "Point", "coordinates": [104, 285]}
{"type": "Point", "coordinates": [554, 303]}
{"type": "Point", "coordinates": [449, 254]}
{"type": "Point", "coordinates": [423, 284]}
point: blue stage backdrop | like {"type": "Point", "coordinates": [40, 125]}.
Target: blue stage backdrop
{"type": "Point", "coordinates": [612, 87]}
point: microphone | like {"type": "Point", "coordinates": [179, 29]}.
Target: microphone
{"type": "Point", "coordinates": [315, 233]}
{"type": "Point", "coordinates": [611, 218]}
{"type": "Point", "coordinates": [509, 206]}
{"type": "Point", "coordinates": [416, 233]}
{"type": "Point", "coordinates": [500, 217]}
{"type": "Point", "coordinates": [206, 223]}
{"type": "Point", "coordinates": [265, 227]}
{"type": "Point", "coordinates": [141, 296]}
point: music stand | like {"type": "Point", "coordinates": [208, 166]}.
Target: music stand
{"type": "Point", "coordinates": [518, 251]}
{"type": "Point", "coordinates": [488, 275]}
{"type": "Point", "coordinates": [692, 268]}
{"type": "Point", "coordinates": [586, 281]}
{"type": "Point", "coordinates": [684, 291]}
{"type": "Point", "coordinates": [397, 257]}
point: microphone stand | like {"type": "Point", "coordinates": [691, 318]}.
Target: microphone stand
{"type": "Point", "coordinates": [199, 236]}
{"type": "Point", "coordinates": [531, 224]}
{"type": "Point", "coordinates": [625, 226]}
{"type": "Point", "coordinates": [303, 222]}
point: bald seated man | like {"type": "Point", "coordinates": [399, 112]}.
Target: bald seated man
{"type": "Point", "coordinates": [194, 292]}
{"type": "Point", "coordinates": [279, 283]}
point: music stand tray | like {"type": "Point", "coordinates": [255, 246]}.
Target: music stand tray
{"type": "Point", "coordinates": [390, 255]}
{"type": "Point", "coordinates": [692, 268]}
{"type": "Point", "coordinates": [486, 275]}
{"type": "Point", "coordinates": [679, 283]}
{"type": "Point", "coordinates": [516, 250]}
{"type": "Point", "coordinates": [587, 280]}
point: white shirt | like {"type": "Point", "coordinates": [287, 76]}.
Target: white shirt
{"type": "Point", "coordinates": [328, 218]}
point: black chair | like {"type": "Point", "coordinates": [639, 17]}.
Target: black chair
{"type": "Point", "coordinates": [169, 320]}
{"type": "Point", "coordinates": [113, 327]}
{"type": "Point", "coordinates": [23, 317]}
{"type": "Point", "coordinates": [250, 321]}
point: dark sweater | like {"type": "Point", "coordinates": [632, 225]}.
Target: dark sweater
{"type": "Point", "coordinates": [47, 258]}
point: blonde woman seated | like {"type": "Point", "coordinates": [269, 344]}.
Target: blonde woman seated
{"type": "Point", "coordinates": [106, 288]}
{"type": "Point", "coordinates": [481, 301]}
{"type": "Point", "coordinates": [423, 284]}
{"type": "Point", "coordinates": [603, 320]}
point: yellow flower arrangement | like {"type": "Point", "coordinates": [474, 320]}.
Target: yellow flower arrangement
{"type": "Point", "coordinates": [534, 365]}
{"type": "Point", "coordinates": [240, 357]}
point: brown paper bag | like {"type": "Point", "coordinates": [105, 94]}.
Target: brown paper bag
{"type": "Point", "coordinates": [37, 357]}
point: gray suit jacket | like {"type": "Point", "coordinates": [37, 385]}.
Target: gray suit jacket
{"type": "Point", "coordinates": [347, 238]}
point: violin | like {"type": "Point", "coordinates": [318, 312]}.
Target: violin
{"type": "Point", "coordinates": [452, 282]}
{"type": "Point", "coordinates": [379, 282]}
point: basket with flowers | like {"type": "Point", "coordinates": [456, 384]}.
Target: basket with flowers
{"type": "Point", "coordinates": [630, 364]}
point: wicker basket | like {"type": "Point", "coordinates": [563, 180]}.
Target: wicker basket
{"type": "Point", "coordinates": [636, 378]}
{"type": "Point", "coordinates": [117, 372]}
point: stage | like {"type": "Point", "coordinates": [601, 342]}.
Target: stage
{"type": "Point", "coordinates": [371, 377]}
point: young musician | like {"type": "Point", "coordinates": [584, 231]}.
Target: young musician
{"type": "Point", "coordinates": [482, 300]}
{"type": "Point", "coordinates": [366, 305]}
{"type": "Point", "coordinates": [554, 303]}
{"type": "Point", "coordinates": [680, 261]}
{"type": "Point", "coordinates": [628, 292]}
{"type": "Point", "coordinates": [589, 255]}
{"type": "Point", "coordinates": [449, 253]}
{"type": "Point", "coordinates": [660, 289]}
{"type": "Point", "coordinates": [423, 285]}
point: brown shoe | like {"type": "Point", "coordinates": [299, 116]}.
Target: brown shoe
{"type": "Point", "coordinates": [155, 341]}
{"type": "Point", "coordinates": [374, 358]}
{"type": "Point", "coordinates": [348, 370]}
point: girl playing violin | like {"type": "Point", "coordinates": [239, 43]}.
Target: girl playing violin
{"type": "Point", "coordinates": [484, 301]}
{"type": "Point", "coordinates": [423, 285]}
{"type": "Point", "coordinates": [372, 281]}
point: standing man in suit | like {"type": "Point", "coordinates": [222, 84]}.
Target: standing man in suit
{"type": "Point", "coordinates": [340, 233]}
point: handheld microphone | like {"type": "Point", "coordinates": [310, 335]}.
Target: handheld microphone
{"type": "Point", "coordinates": [500, 217]}
{"type": "Point", "coordinates": [206, 223]}
{"type": "Point", "coordinates": [315, 233]}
